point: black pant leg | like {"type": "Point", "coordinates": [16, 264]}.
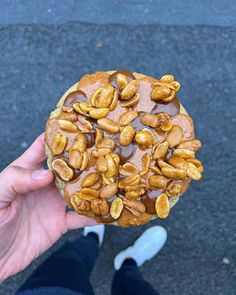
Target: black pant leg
{"type": "Point", "coordinates": [129, 281]}
{"type": "Point", "coordinates": [69, 267]}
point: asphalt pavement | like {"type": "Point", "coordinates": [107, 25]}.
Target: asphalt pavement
{"type": "Point", "coordinates": [39, 62]}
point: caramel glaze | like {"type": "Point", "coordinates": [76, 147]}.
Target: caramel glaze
{"type": "Point", "coordinates": [133, 153]}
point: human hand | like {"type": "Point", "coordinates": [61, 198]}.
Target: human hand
{"type": "Point", "coordinates": [32, 213]}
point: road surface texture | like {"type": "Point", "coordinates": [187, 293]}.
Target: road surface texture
{"type": "Point", "coordinates": [40, 59]}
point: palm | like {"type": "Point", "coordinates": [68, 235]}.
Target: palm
{"type": "Point", "coordinates": [33, 222]}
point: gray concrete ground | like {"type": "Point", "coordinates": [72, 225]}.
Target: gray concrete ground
{"type": "Point", "coordinates": [38, 62]}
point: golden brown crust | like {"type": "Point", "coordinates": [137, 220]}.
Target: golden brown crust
{"type": "Point", "coordinates": [126, 218]}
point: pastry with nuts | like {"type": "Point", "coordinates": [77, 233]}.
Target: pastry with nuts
{"type": "Point", "coordinates": [122, 147]}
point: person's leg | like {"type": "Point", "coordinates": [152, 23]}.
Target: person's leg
{"type": "Point", "coordinates": [71, 265]}
{"type": "Point", "coordinates": [127, 279]}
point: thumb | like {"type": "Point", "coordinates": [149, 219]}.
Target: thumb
{"type": "Point", "coordinates": [15, 180]}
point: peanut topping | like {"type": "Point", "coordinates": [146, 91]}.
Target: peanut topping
{"type": "Point", "coordinates": [59, 144]}
{"type": "Point", "coordinates": [99, 113]}
{"type": "Point", "coordinates": [162, 206]}
{"type": "Point", "coordinates": [127, 135]}
{"type": "Point", "coordinates": [121, 81]}
{"type": "Point", "coordinates": [193, 145]}
{"type": "Point", "coordinates": [90, 179]}
{"type": "Point", "coordinates": [67, 125]}
{"type": "Point", "coordinates": [100, 206]}
{"type": "Point", "coordinates": [144, 138]}
{"type": "Point", "coordinates": [131, 102]}
{"type": "Point", "coordinates": [161, 150]}
{"type": "Point", "coordinates": [158, 181]}
{"type": "Point", "coordinates": [128, 169]}
{"type": "Point", "coordinates": [130, 90]}
{"type": "Point", "coordinates": [116, 208]}
{"type": "Point", "coordinates": [108, 125]}
{"type": "Point", "coordinates": [62, 169]}
{"type": "Point", "coordinates": [127, 117]}
{"type": "Point", "coordinates": [102, 98]}
{"type": "Point", "coordinates": [109, 191]}
{"type": "Point", "coordinates": [174, 136]}
{"type": "Point", "coordinates": [164, 122]}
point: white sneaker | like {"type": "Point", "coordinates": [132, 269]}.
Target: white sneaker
{"type": "Point", "coordinates": [97, 229]}
{"type": "Point", "coordinates": [145, 247]}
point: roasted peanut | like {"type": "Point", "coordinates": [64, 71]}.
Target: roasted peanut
{"type": "Point", "coordinates": [164, 122]}
{"type": "Point", "coordinates": [149, 120]}
{"type": "Point", "coordinates": [174, 188]}
{"type": "Point", "coordinates": [67, 126]}
{"type": "Point", "coordinates": [116, 159]}
{"type": "Point", "coordinates": [83, 124]}
{"type": "Point", "coordinates": [134, 204]}
{"type": "Point", "coordinates": [144, 138]}
{"type": "Point", "coordinates": [121, 81]}
{"type": "Point", "coordinates": [114, 100]}
{"type": "Point", "coordinates": [59, 144]}
{"type": "Point", "coordinates": [193, 172]}
{"type": "Point", "coordinates": [79, 204]}
{"type": "Point", "coordinates": [161, 150]}
{"type": "Point", "coordinates": [197, 163]}
{"type": "Point", "coordinates": [116, 208]}
{"type": "Point", "coordinates": [128, 169]}
{"type": "Point", "coordinates": [90, 179]}
{"type": "Point", "coordinates": [178, 162]}
{"type": "Point", "coordinates": [101, 164]}
{"type": "Point", "coordinates": [107, 180]}
{"type": "Point", "coordinates": [88, 194]}
{"type": "Point", "coordinates": [174, 173]}
{"type": "Point", "coordinates": [101, 152]}
{"type": "Point", "coordinates": [176, 85]}
{"type": "Point", "coordinates": [108, 125]}
{"type": "Point", "coordinates": [158, 181]}
{"type": "Point", "coordinates": [85, 106]}
{"type": "Point", "coordinates": [77, 108]}
{"type": "Point", "coordinates": [193, 145]}
{"type": "Point", "coordinates": [167, 78]}
{"type": "Point", "coordinates": [100, 207]}
{"type": "Point", "coordinates": [163, 164]}
{"type": "Point", "coordinates": [133, 195]}
{"type": "Point", "coordinates": [127, 135]}
{"type": "Point", "coordinates": [84, 161]}
{"type": "Point", "coordinates": [69, 116]}
{"type": "Point", "coordinates": [130, 90]}
{"type": "Point", "coordinates": [112, 169]}
{"type": "Point", "coordinates": [109, 191]}
{"type": "Point", "coordinates": [102, 98]}
{"type": "Point", "coordinates": [80, 144]}
{"type": "Point", "coordinates": [130, 180]}
{"type": "Point", "coordinates": [146, 159]}
{"type": "Point", "coordinates": [107, 143]}
{"type": "Point", "coordinates": [98, 137]}
{"type": "Point", "coordinates": [174, 136]}
{"type": "Point", "coordinates": [127, 117]}
{"type": "Point", "coordinates": [184, 153]}
{"type": "Point", "coordinates": [99, 113]}
{"type": "Point", "coordinates": [75, 158]}
{"type": "Point", "coordinates": [155, 170]}
{"type": "Point", "coordinates": [161, 92]}
{"type": "Point", "coordinates": [137, 188]}
{"type": "Point", "coordinates": [62, 169]}
{"type": "Point", "coordinates": [131, 102]}
{"type": "Point", "coordinates": [162, 206]}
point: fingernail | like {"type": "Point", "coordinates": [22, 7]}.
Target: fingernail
{"type": "Point", "coordinates": [40, 174]}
